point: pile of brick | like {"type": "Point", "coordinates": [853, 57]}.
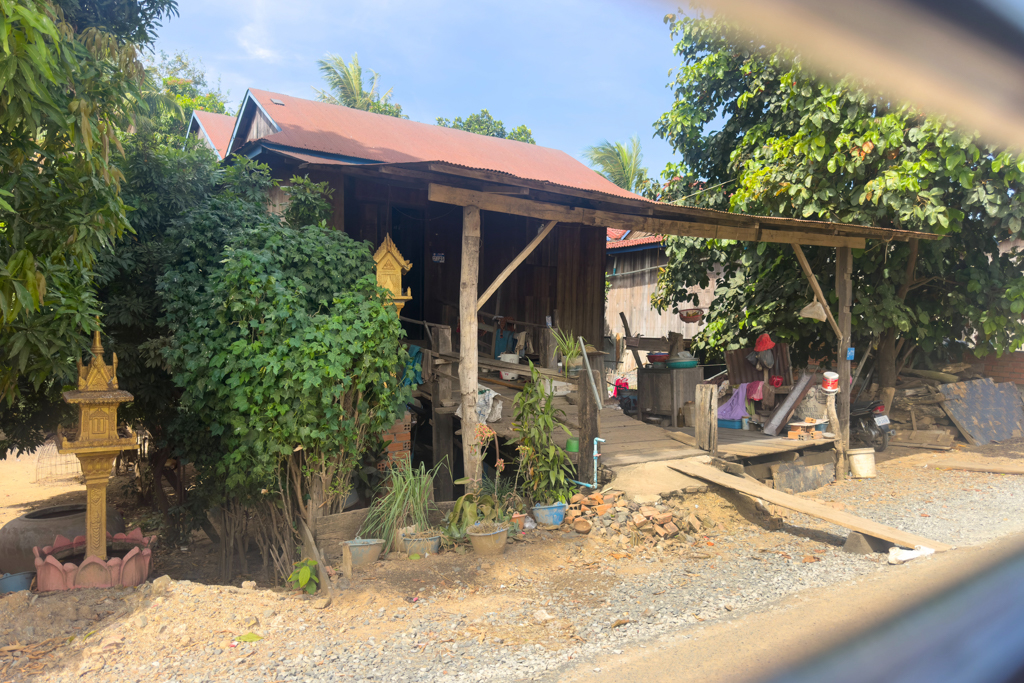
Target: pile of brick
{"type": "Point", "coordinates": [612, 516]}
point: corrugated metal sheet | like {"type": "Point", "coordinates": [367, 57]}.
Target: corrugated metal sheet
{"type": "Point", "coordinates": [217, 129]}
{"type": "Point", "coordinates": [740, 370]}
{"type": "Point", "coordinates": [346, 132]}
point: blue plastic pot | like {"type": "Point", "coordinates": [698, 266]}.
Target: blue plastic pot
{"type": "Point", "coordinates": [16, 582]}
{"type": "Point", "coordinates": [550, 515]}
{"type": "Point", "coordinates": [365, 550]}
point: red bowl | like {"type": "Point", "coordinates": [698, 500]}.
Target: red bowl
{"type": "Point", "coordinates": [657, 357]}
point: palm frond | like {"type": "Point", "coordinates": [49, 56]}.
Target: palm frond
{"type": "Point", "coordinates": [621, 163]}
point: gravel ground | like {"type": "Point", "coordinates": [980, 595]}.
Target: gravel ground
{"type": "Point", "coordinates": [543, 607]}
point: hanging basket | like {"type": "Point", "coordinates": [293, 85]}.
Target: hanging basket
{"type": "Point", "coordinates": [693, 315]}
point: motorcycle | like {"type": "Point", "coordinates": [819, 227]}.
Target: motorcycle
{"type": "Point", "coordinates": [870, 425]}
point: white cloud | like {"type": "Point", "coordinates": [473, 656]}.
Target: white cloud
{"type": "Point", "coordinates": [253, 39]}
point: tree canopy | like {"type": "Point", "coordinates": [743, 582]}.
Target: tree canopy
{"type": "Point", "coordinates": [793, 144]}
{"type": "Point", "coordinates": [347, 87]}
{"type": "Point", "coordinates": [485, 124]}
{"type": "Point", "coordinates": [620, 162]}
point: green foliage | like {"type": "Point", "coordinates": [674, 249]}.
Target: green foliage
{"type": "Point", "coordinates": [569, 348]}
{"type": "Point", "coordinates": [404, 501]}
{"type": "Point", "coordinates": [303, 577]}
{"type": "Point", "coordinates": [287, 353]}
{"type": "Point", "coordinates": [183, 80]}
{"type": "Point", "coordinates": [545, 466]}
{"type": "Point", "coordinates": [796, 145]}
{"type": "Point", "coordinates": [346, 87]}
{"type": "Point", "coordinates": [485, 124]}
{"type": "Point", "coordinates": [621, 163]}
{"type": "Point", "coordinates": [67, 88]}
{"type": "Point", "coordinates": [309, 203]}
{"type": "Point", "coordinates": [470, 509]}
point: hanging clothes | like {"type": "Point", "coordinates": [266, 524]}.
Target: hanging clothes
{"type": "Point", "coordinates": [736, 407]}
{"type": "Point", "coordinates": [755, 390]}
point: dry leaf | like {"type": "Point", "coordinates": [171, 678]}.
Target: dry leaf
{"type": "Point", "coordinates": [810, 558]}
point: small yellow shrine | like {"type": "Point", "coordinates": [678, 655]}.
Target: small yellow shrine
{"type": "Point", "coordinates": [390, 268]}
{"type": "Point", "coordinates": [98, 443]}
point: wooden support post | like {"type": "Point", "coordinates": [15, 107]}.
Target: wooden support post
{"type": "Point", "coordinates": [589, 419]}
{"type": "Point", "coordinates": [844, 290]}
{"type": "Point", "coordinates": [625, 327]}
{"type": "Point", "coordinates": [468, 351]}
{"type": "Point", "coordinates": [706, 410]}
{"type": "Point", "coordinates": [510, 268]}
{"type": "Point", "coordinates": [443, 425]}
{"type": "Point", "coordinates": [809, 274]}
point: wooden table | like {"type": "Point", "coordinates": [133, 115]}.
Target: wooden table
{"type": "Point", "coordinates": [664, 391]}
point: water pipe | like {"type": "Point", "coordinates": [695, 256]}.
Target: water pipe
{"type": "Point", "coordinates": [597, 454]}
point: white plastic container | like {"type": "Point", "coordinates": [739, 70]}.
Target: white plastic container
{"type": "Point", "coordinates": [862, 463]}
{"type": "Point", "coordinates": [509, 358]}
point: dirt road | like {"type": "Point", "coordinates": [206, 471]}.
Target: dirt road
{"type": "Point", "coordinates": [755, 646]}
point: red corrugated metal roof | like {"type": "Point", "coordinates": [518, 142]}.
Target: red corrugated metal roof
{"type": "Point", "coordinates": [342, 131]}
{"type": "Point", "coordinates": [639, 241]}
{"type": "Point", "coordinates": [616, 234]}
{"type": "Point", "coordinates": [218, 129]}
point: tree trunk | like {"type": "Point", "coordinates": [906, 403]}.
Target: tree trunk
{"type": "Point", "coordinates": [887, 351]}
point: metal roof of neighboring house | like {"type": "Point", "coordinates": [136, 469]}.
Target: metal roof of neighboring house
{"type": "Point", "coordinates": [355, 136]}
{"type": "Point", "coordinates": [216, 128]}
{"type": "Point", "coordinates": [652, 240]}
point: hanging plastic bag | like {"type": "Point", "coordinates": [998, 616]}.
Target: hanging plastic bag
{"type": "Point", "coordinates": [814, 310]}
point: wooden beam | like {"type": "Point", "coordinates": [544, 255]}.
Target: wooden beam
{"type": "Point", "coordinates": [468, 352]}
{"type": "Point", "coordinates": [588, 418]}
{"type": "Point", "coordinates": [711, 227]}
{"type": "Point", "coordinates": [443, 425]}
{"type": "Point", "coordinates": [492, 364]}
{"type": "Point", "coordinates": [809, 274]}
{"type": "Point", "coordinates": [975, 467]}
{"type": "Point", "coordinates": [625, 326]}
{"type": "Point", "coordinates": [427, 176]}
{"type": "Point", "coordinates": [708, 473]}
{"type": "Point", "coordinates": [510, 268]}
{"type": "Point", "coordinates": [844, 290]}
{"type": "Point", "coordinates": [503, 204]}
{"type": "Point", "coordinates": [706, 414]}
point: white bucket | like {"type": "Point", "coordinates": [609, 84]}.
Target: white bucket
{"type": "Point", "coordinates": [509, 358]}
{"type": "Point", "coordinates": [862, 463]}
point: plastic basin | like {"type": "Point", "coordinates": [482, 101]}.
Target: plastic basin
{"type": "Point", "coordinates": [423, 546]}
{"type": "Point", "coordinates": [16, 582]}
{"type": "Point", "coordinates": [490, 543]}
{"type": "Point", "coordinates": [365, 550]}
{"type": "Point", "coordinates": [676, 364]}
{"type": "Point", "coordinates": [550, 515]}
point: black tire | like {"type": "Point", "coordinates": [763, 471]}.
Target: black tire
{"type": "Point", "coordinates": [881, 442]}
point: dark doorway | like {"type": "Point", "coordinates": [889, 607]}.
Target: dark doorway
{"type": "Point", "coordinates": [407, 231]}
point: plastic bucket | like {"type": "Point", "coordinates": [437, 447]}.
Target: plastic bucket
{"type": "Point", "coordinates": [16, 582]}
{"type": "Point", "coordinates": [491, 543]}
{"type": "Point", "coordinates": [365, 550]}
{"type": "Point", "coordinates": [831, 382]}
{"type": "Point", "coordinates": [423, 546]}
{"type": "Point", "coordinates": [550, 515]}
{"type": "Point", "coordinates": [572, 446]}
{"type": "Point", "coordinates": [862, 463]}
{"type": "Point", "coordinates": [509, 358]}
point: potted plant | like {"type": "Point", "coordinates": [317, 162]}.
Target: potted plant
{"type": "Point", "coordinates": [571, 351]}
{"type": "Point", "coordinates": [545, 465]}
{"type": "Point", "coordinates": [405, 503]}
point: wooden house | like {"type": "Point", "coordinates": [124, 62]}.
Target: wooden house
{"type": "Point", "coordinates": [495, 231]}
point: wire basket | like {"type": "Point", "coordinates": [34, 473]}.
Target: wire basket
{"type": "Point", "coordinates": [55, 468]}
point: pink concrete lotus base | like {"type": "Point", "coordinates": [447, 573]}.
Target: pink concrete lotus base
{"type": "Point", "coordinates": [132, 570]}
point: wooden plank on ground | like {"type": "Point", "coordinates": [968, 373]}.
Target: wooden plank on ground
{"type": "Point", "coordinates": [807, 507]}
{"type": "Point", "coordinates": [984, 411]}
{"type": "Point", "coordinates": [926, 438]}
{"type": "Point", "coordinates": [978, 467]}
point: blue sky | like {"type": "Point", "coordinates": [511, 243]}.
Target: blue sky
{"type": "Point", "coordinates": [575, 72]}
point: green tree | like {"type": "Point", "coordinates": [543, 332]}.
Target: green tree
{"type": "Point", "coordinates": [346, 87]}
{"type": "Point", "coordinates": [183, 80]}
{"type": "Point", "coordinates": [485, 124]}
{"type": "Point", "coordinates": [621, 163]}
{"type": "Point", "coordinates": [66, 90]}
{"type": "Point", "coordinates": [796, 145]}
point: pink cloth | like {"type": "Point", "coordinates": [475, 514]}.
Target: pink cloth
{"type": "Point", "coordinates": [755, 391]}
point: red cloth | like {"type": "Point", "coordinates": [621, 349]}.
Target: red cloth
{"type": "Point", "coordinates": [775, 381]}
{"type": "Point", "coordinates": [764, 342]}
{"type": "Point", "coordinates": [755, 391]}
